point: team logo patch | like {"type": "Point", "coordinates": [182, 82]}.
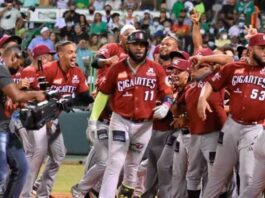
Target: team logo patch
{"type": "Point", "coordinates": [136, 147]}
{"type": "Point", "coordinates": [237, 91]}
{"type": "Point", "coordinates": [216, 77]}
{"type": "Point", "coordinates": [239, 71]}
{"type": "Point", "coordinates": [75, 79]}
{"type": "Point", "coordinates": [122, 75]}
{"type": "Point", "coordinates": [127, 94]}
{"type": "Point", "coordinates": [58, 81]}
{"type": "Point", "coordinates": [150, 72]}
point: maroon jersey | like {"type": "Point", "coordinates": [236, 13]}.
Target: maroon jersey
{"type": "Point", "coordinates": [246, 85]}
{"type": "Point", "coordinates": [65, 83]}
{"type": "Point", "coordinates": [31, 73]}
{"type": "Point", "coordinates": [215, 120]}
{"type": "Point", "coordinates": [134, 95]}
{"type": "Point", "coordinates": [108, 51]}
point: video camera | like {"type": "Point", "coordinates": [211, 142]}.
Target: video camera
{"type": "Point", "coordinates": [36, 115]}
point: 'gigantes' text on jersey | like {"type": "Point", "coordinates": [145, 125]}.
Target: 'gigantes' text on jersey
{"type": "Point", "coordinates": [246, 85]}
{"type": "Point", "coordinates": [65, 83]}
{"type": "Point", "coordinates": [134, 95]}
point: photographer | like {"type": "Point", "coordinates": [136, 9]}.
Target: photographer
{"type": "Point", "coordinates": [9, 15]}
{"type": "Point", "coordinates": [66, 78]}
{"type": "Point", "coordinates": [11, 152]}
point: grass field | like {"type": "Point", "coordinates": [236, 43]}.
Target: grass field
{"type": "Point", "coordinates": [68, 175]}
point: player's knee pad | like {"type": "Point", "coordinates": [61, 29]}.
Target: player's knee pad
{"type": "Point", "coordinates": [125, 192]}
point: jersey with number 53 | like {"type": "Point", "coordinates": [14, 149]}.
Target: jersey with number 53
{"type": "Point", "coordinates": [134, 94]}
{"type": "Point", "coordinates": [246, 84]}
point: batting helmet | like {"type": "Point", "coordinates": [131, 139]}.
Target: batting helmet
{"type": "Point", "coordinates": [138, 36]}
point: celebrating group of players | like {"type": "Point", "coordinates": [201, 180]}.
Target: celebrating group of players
{"type": "Point", "coordinates": [199, 120]}
{"type": "Point", "coordinates": [175, 127]}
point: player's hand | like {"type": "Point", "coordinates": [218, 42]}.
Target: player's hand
{"type": "Point", "coordinates": [195, 16]}
{"type": "Point", "coordinates": [250, 32]}
{"type": "Point", "coordinates": [91, 131]}
{"type": "Point", "coordinates": [196, 61]}
{"type": "Point", "coordinates": [113, 60]}
{"type": "Point", "coordinates": [203, 105]}
{"type": "Point", "coordinates": [40, 96]}
{"type": "Point", "coordinates": [161, 111]}
{"type": "Point", "coordinates": [24, 83]}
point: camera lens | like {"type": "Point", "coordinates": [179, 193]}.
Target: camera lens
{"type": "Point", "coordinates": [42, 83]}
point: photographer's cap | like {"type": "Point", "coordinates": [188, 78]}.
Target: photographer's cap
{"type": "Point", "coordinates": [41, 50]}
{"type": "Point", "coordinates": [127, 27]}
{"type": "Point", "coordinates": [44, 29]}
{"type": "Point", "coordinates": [257, 39]}
{"type": "Point", "coordinates": [6, 38]}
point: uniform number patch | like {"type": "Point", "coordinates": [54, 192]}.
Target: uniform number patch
{"type": "Point", "coordinates": [119, 136]}
{"type": "Point", "coordinates": [102, 134]}
{"type": "Point", "coordinates": [221, 137]}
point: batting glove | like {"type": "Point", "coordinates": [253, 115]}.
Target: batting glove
{"type": "Point", "coordinates": [161, 111]}
{"type": "Point", "coordinates": [91, 131]}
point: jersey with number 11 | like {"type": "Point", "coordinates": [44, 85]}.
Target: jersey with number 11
{"type": "Point", "coordinates": [134, 94]}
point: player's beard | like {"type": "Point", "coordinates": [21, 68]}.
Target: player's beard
{"type": "Point", "coordinates": [136, 58]}
{"type": "Point", "coordinates": [258, 60]}
{"type": "Point", "coordinates": [164, 57]}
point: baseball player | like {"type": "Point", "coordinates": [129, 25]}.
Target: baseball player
{"type": "Point", "coordinates": [244, 81]}
{"type": "Point", "coordinates": [136, 81]}
{"type": "Point", "coordinates": [204, 134]}
{"type": "Point", "coordinates": [179, 79]}
{"type": "Point", "coordinates": [96, 160]}
{"type": "Point", "coordinates": [64, 77]}
{"type": "Point", "coordinates": [38, 139]}
{"type": "Point", "coordinates": [161, 128]}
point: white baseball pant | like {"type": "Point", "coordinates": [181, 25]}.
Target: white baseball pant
{"type": "Point", "coordinates": [257, 185]}
{"type": "Point", "coordinates": [236, 143]}
{"type": "Point", "coordinates": [127, 143]}
{"type": "Point", "coordinates": [180, 164]}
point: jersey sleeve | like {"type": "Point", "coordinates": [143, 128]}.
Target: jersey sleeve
{"type": "Point", "coordinates": [5, 77]}
{"type": "Point", "coordinates": [106, 51]}
{"type": "Point", "coordinates": [109, 82]}
{"type": "Point", "coordinates": [221, 78]}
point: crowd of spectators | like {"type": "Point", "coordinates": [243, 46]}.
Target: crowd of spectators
{"type": "Point", "coordinates": [222, 21]}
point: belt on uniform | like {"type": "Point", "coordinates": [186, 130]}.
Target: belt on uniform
{"type": "Point", "coordinates": [185, 131]}
{"type": "Point", "coordinates": [248, 123]}
{"type": "Point", "coordinates": [105, 121]}
{"type": "Point", "coordinates": [136, 120]}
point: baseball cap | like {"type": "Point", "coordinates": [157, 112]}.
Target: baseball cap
{"type": "Point", "coordinates": [181, 64]}
{"type": "Point", "coordinates": [147, 11]}
{"type": "Point", "coordinates": [6, 38]}
{"type": "Point", "coordinates": [127, 27]}
{"type": "Point", "coordinates": [179, 54]}
{"type": "Point", "coordinates": [41, 50]}
{"type": "Point", "coordinates": [44, 29]}
{"type": "Point", "coordinates": [204, 52]}
{"type": "Point", "coordinates": [257, 39]}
